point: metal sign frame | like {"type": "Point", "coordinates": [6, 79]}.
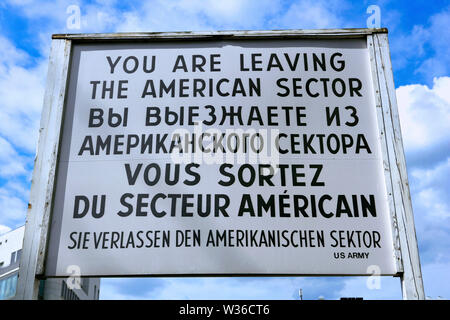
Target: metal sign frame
{"type": "Point", "coordinates": [43, 180]}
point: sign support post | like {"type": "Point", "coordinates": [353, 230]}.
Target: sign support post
{"type": "Point", "coordinates": [411, 277]}
{"type": "Point", "coordinates": [41, 193]}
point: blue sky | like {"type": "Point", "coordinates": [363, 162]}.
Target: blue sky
{"type": "Point", "coordinates": [420, 50]}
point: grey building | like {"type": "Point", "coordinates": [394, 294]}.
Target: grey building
{"type": "Point", "coordinates": [50, 289]}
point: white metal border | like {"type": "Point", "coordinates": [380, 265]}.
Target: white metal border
{"type": "Point", "coordinates": [42, 185]}
{"type": "Point", "coordinates": [41, 195]}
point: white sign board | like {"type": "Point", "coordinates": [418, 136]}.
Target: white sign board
{"type": "Point", "coordinates": [221, 157]}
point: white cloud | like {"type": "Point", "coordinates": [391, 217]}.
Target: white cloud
{"type": "Point", "coordinates": [425, 48]}
{"type": "Point", "coordinates": [431, 191]}
{"type": "Point", "coordinates": [111, 291]}
{"type": "Point", "coordinates": [405, 47]}
{"type": "Point", "coordinates": [13, 208]}
{"type": "Point", "coordinates": [425, 121]}
{"type": "Point", "coordinates": [158, 15]}
{"type": "Point", "coordinates": [227, 289]}
{"type": "Point", "coordinates": [313, 15]}
{"type": "Point", "coordinates": [431, 199]}
{"type": "Point", "coordinates": [197, 15]}
{"type": "Point", "coordinates": [35, 9]}
{"type": "Point", "coordinates": [162, 16]}
{"type": "Point", "coordinates": [389, 288]}
{"type": "Point", "coordinates": [4, 229]}
{"type": "Point", "coordinates": [437, 64]}
{"type": "Point", "coordinates": [231, 14]}
{"type": "Point", "coordinates": [11, 164]}
{"type": "Point", "coordinates": [206, 288]}
{"type": "Point", "coordinates": [425, 178]}
{"type": "Point", "coordinates": [9, 54]}
{"type": "Point", "coordinates": [185, 15]}
{"type": "Point", "coordinates": [21, 89]}
{"type": "Point", "coordinates": [424, 113]}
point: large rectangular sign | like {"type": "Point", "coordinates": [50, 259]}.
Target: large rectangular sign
{"type": "Point", "coordinates": [221, 157]}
